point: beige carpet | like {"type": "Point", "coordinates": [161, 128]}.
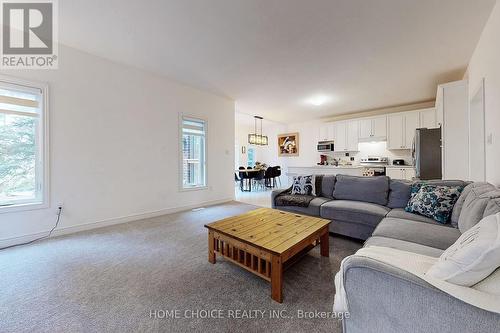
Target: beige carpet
{"type": "Point", "coordinates": [113, 279]}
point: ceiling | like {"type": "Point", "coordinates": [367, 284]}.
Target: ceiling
{"type": "Point", "coordinates": [272, 56]}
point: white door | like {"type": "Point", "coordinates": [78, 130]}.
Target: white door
{"type": "Point", "coordinates": [340, 136]}
{"type": "Point", "coordinates": [380, 127]}
{"type": "Point", "coordinates": [396, 131]}
{"type": "Point", "coordinates": [365, 129]}
{"type": "Point", "coordinates": [428, 118]}
{"type": "Point", "coordinates": [411, 124]}
{"type": "Point", "coordinates": [477, 155]}
{"type": "Point", "coordinates": [352, 135]}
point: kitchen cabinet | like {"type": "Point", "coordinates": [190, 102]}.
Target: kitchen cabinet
{"type": "Point", "coordinates": [326, 132]}
{"type": "Point", "coordinates": [340, 136]}
{"type": "Point", "coordinates": [346, 135]}
{"type": "Point", "coordinates": [428, 118]}
{"type": "Point", "coordinates": [406, 173]}
{"type": "Point", "coordinates": [352, 135]}
{"type": "Point", "coordinates": [401, 131]}
{"type": "Point", "coordinates": [396, 135]}
{"type": "Point", "coordinates": [373, 129]}
{"type": "Point", "coordinates": [412, 122]}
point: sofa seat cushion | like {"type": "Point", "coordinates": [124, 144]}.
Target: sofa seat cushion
{"type": "Point", "coordinates": [312, 209]}
{"type": "Point", "coordinates": [400, 213]}
{"type": "Point", "coordinates": [404, 246]}
{"type": "Point", "coordinates": [354, 211]}
{"type": "Point", "coordinates": [433, 235]}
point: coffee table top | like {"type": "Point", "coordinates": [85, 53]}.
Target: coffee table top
{"type": "Point", "coordinates": [269, 229]}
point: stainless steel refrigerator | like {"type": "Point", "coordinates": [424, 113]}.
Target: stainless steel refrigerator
{"type": "Point", "coordinates": [427, 153]}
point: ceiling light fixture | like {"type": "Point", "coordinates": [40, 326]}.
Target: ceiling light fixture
{"type": "Point", "coordinates": [255, 138]}
{"type": "Point", "coordinates": [318, 100]}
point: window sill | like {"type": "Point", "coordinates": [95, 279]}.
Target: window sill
{"type": "Point", "coordinates": [196, 188]}
{"type": "Point", "coordinates": [23, 207]}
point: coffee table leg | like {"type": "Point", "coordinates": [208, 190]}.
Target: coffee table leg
{"type": "Point", "coordinates": [211, 252]}
{"type": "Point", "coordinates": [277, 279]}
{"type": "Point", "coordinates": [325, 244]}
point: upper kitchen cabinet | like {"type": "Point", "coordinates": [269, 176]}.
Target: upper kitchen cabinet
{"type": "Point", "coordinates": [346, 135]}
{"type": "Point", "coordinates": [326, 132]}
{"type": "Point", "coordinates": [428, 118]}
{"type": "Point", "coordinates": [401, 131]}
{"type": "Point", "coordinates": [396, 133]}
{"type": "Point", "coordinates": [373, 129]}
{"type": "Point", "coordinates": [352, 135]}
{"type": "Point", "coordinates": [340, 136]}
{"type": "Point", "coordinates": [452, 107]}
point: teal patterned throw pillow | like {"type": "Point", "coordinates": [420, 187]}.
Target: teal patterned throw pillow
{"type": "Point", "coordinates": [433, 201]}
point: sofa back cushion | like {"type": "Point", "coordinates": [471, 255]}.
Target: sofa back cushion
{"type": "Point", "coordinates": [492, 207]}
{"type": "Point", "coordinates": [326, 187]}
{"type": "Point", "coordinates": [399, 193]}
{"type": "Point", "coordinates": [366, 189]}
{"type": "Point", "coordinates": [461, 200]}
{"type": "Point", "coordinates": [474, 207]}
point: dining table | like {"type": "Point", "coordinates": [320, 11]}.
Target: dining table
{"type": "Point", "coordinates": [249, 179]}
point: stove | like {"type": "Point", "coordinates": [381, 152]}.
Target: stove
{"type": "Point", "coordinates": [374, 165]}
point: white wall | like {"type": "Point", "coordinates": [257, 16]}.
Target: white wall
{"type": "Point", "coordinates": [485, 63]}
{"type": "Point", "coordinates": [114, 145]}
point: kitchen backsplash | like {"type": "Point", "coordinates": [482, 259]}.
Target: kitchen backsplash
{"type": "Point", "coordinates": [373, 149]}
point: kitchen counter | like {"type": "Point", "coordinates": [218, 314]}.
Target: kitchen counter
{"type": "Point", "coordinates": [338, 166]}
{"type": "Point", "coordinates": [400, 166]}
{"type": "Point", "coordinates": [352, 170]}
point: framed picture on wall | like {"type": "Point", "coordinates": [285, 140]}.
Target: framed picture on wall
{"type": "Point", "coordinates": [288, 144]}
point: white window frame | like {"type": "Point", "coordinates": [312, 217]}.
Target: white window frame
{"type": "Point", "coordinates": [181, 165]}
{"type": "Point", "coordinates": [43, 181]}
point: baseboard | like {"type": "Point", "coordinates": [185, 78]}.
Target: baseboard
{"type": "Point", "coordinates": [107, 222]}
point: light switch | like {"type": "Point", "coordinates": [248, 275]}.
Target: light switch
{"type": "Point", "coordinates": [489, 139]}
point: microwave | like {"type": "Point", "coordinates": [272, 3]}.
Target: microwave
{"type": "Point", "coordinates": [324, 146]}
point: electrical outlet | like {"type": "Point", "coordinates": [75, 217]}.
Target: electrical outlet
{"type": "Point", "coordinates": [59, 205]}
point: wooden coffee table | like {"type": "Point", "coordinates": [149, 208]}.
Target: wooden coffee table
{"type": "Point", "coordinates": [267, 241]}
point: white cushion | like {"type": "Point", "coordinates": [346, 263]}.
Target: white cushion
{"type": "Point", "coordinates": [473, 257]}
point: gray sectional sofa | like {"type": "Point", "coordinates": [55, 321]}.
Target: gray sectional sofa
{"type": "Point", "coordinates": [382, 298]}
{"type": "Point", "coordinates": [357, 205]}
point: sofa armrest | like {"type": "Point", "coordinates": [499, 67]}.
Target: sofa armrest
{"type": "Point", "coordinates": [275, 193]}
{"type": "Point", "coordinates": [382, 298]}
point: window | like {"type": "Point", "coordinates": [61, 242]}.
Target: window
{"type": "Point", "coordinates": [22, 145]}
{"type": "Point", "coordinates": [251, 157]}
{"type": "Point", "coordinates": [193, 153]}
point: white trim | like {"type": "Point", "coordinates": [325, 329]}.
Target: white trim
{"type": "Point", "coordinates": [108, 222]}
{"type": "Point", "coordinates": [44, 180]}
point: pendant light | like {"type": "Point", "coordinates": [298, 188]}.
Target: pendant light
{"type": "Point", "coordinates": [255, 138]}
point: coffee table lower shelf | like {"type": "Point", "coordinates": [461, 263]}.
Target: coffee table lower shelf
{"type": "Point", "coordinates": [265, 264]}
